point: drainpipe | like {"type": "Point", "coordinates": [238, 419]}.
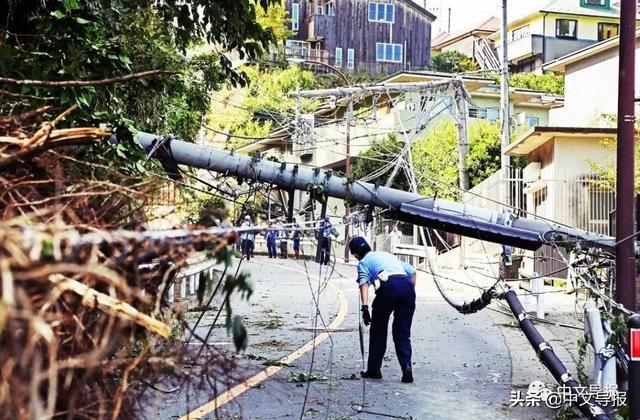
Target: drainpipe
{"type": "Point", "coordinates": [544, 39]}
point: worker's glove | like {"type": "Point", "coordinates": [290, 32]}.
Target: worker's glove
{"type": "Point", "coordinates": [366, 316]}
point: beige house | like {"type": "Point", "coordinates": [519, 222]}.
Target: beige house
{"type": "Point", "coordinates": [559, 183]}
{"type": "Point", "coordinates": [585, 100]}
{"type": "Point", "coordinates": [529, 108]}
{"type": "Point", "coordinates": [473, 43]}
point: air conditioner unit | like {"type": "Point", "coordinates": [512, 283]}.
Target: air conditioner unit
{"type": "Point", "coordinates": [531, 172]}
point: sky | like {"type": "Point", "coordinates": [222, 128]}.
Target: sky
{"type": "Point", "coordinates": [466, 13]}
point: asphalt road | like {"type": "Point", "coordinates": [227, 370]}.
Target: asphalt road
{"type": "Point", "coordinates": [462, 365]}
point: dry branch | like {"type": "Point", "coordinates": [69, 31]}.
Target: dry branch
{"type": "Point", "coordinates": [115, 307]}
{"type": "Point", "coordinates": [75, 83]}
{"type": "Point", "coordinates": [57, 138]}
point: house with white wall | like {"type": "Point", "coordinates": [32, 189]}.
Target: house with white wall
{"type": "Point", "coordinates": [557, 29]}
{"type": "Point", "coordinates": [585, 100]}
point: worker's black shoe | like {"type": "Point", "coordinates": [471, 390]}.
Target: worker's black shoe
{"type": "Point", "coordinates": [372, 375]}
{"type": "Point", "coordinates": [407, 376]}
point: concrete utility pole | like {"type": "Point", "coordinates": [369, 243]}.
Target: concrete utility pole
{"type": "Point", "coordinates": [625, 227]}
{"type": "Point", "coordinates": [463, 138]}
{"type": "Point", "coordinates": [347, 164]}
{"type": "Point", "coordinates": [382, 87]}
{"type": "Point", "coordinates": [505, 162]}
{"type": "Point", "coordinates": [410, 207]}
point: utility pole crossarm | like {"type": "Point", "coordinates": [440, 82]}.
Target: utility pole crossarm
{"type": "Point", "coordinates": [451, 214]}
{"type": "Point", "coordinates": [383, 87]}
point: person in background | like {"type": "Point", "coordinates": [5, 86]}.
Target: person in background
{"type": "Point", "coordinates": [238, 245]}
{"type": "Point", "coordinates": [394, 282]}
{"type": "Point", "coordinates": [325, 245]}
{"type": "Point", "coordinates": [272, 235]}
{"type": "Point", "coordinates": [247, 237]}
{"type": "Point", "coordinates": [297, 233]}
{"type": "Point", "coordinates": [395, 237]}
{"type": "Point", "coordinates": [283, 235]}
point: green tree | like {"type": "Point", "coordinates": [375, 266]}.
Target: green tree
{"type": "Point", "coordinates": [452, 62]}
{"type": "Point", "coordinates": [607, 171]}
{"type": "Point", "coordinates": [265, 104]}
{"type": "Point", "coordinates": [379, 154]}
{"type": "Point", "coordinates": [484, 150]}
{"type": "Point", "coordinates": [548, 82]}
{"type": "Point", "coordinates": [275, 18]}
{"type": "Point", "coordinates": [435, 158]}
{"type": "Point", "coordinates": [68, 39]}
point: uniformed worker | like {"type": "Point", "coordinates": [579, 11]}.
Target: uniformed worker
{"type": "Point", "coordinates": [394, 281]}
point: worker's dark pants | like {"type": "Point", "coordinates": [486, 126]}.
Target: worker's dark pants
{"type": "Point", "coordinates": [325, 255]}
{"type": "Point", "coordinates": [247, 248]}
{"type": "Point", "coordinates": [398, 296]}
{"type": "Point", "coordinates": [271, 248]}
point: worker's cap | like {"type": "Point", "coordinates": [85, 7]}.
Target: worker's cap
{"type": "Point", "coordinates": [358, 245]}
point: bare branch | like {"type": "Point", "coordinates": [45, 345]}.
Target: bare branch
{"type": "Point", "coordinates": [75, 83]}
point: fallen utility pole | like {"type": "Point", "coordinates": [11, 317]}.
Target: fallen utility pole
{"type": "Point", "coordinates": [475, 222]}
{"type": "Point", "coordinates": [549, 359]}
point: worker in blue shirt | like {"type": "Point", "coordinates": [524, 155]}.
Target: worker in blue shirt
{"type": "Point", "coordinates": [394, 281]}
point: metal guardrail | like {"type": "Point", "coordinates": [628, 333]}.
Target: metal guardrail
{"type": "Point", "coordinates": [415, 255]}
{"type": "Point", "coordinates": [187, 281]}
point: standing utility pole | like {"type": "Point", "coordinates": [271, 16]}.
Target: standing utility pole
{"type": "Point", "coordinates": [348, 175]}
{"type": "Point", "coordinates": [463, 137]}
{"type": "Point", "coordinates": [504, 103]}
{"type": "Point", "coordinates": [625, 258]}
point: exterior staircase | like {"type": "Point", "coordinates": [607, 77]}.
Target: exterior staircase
{"type": "Point", "coordinates": [485, 54]}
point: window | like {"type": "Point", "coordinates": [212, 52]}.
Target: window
{"type": "Point", "coordinates": [350, 58]}
{"type": "Point", "coordinates": [295, 16]}
{"type": "Point", "coordinates": [381, 12]}
{"type": "Point", "coordinates": [338, 57]}
{"type": "Point", "coordinates": [532, 121]}
{"type": "Point", "coordinates": [594, 2]}
{"type": "Point", "coordinates": [520, 33]}
{"type": "Point", "coordinates": [607, 30]}
{"type": "Point", "coordinates": [330, 8]}
{"type": "Point", "coordinates": [489, 114]}
{"type": "Point", "coordinates": [389, 52]}
{"type": "Point", "coordinates": [526, 65]}
{"type": "Point", "coordinates": [493, 114]}
{"type": "Point", "coordinates": [566, 28]}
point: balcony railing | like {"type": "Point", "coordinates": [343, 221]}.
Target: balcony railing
{"type": "Point", "coordinates": [306, 53]}
{"type": "Point", "coordinates": [523, 46]}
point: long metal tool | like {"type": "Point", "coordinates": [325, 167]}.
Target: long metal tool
{"type": "Point", "coordinates": [453, 217]}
